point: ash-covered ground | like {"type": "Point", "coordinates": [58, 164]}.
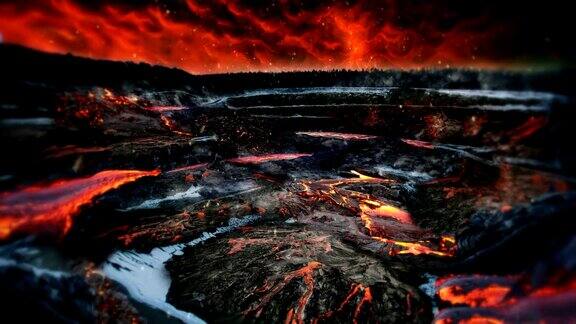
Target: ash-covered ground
{"type": "Point", "coordinates": [133, 193]}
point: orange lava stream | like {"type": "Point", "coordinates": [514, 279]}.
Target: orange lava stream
{"type": "Point", "coordinates": [169, 123]}
{"type": "Point", "coordinates": [295, 315]}
{"type": "Point", "coordinates": [499, 298]}
{"type": "Point", "coordinates": [355, 291]}
{"type": "Point", "coordinates": [366, 298]}
{"type": "Point", "coordinates": [490, 295]}
{"type": "Point", "coordinates": [257, 159]}
{"type": "Point", "coordinates": [413, 248]}
{"type": "Point", "coordinates": [374, 208]}
{"type": "Point", "coordinates": [340, 136]}
{"type": "Point", "coordinates": [476, 319]}
{"type": "Point", "coordinates": [369, 207]}
{"type": "Point", "coordinates": [188, 168]}
{"type": "Point", "coordinates": [161, 109]}
{"type": "Point", "coordinates": [417, 143]}
{"type": "Point", "coordinates": [50, 208]}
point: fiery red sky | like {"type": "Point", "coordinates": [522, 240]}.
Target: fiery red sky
{"type": "Point", "coordinates": [256, 35]}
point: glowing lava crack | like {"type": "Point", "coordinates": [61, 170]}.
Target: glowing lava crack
{"type": "Point", "coordinates": [50, 208]}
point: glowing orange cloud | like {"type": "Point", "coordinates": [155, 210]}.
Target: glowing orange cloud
{"type": "Point", "coordinates": [226, 35]}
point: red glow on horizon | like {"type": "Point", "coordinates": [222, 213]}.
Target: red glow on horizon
{"type": "Point", "coordinates": [331, 37]}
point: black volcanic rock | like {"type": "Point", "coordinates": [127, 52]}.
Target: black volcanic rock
{"type": "Point", "coordinates": [280, 272]}
{"type": "Point", "coordinates": [265, 197]}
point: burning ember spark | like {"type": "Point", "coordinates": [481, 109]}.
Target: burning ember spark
{"type": "Point", "coordinates": [340, 136]}
{"type": "Point", "coordinates": [267, 158]}
{"type": "Point", "coordinates": [50, 208]}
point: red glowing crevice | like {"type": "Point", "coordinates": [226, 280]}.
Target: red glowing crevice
{"type": "Point", "coordinates": [258, 159]}
{"type": "Point", "coordinates": [171, 125]}
{"type": "Point", "coordinates": [340, 136]}
{"type": "Point", "coordinates": [163, 109]}
{"type": "Point", "coordinates": [188, 168]}
{"type": "Point", "coordinates": [295, 314]}
{"type": "Point", "coordinates": [420, 144]}
{"type": "Point", "coordinates": [358, 295]}
{"type": "Point", "coordinates": [50, 208]}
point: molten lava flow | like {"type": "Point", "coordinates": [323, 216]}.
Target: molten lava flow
{"type": "Point", "coordinates": [169, 123]}
{"type": "Point", "coordinates": [553, 289]}
{"type": "Point", "coordinates": [94, 106]}
{"type": "Point", "coordinates": [485, 293]}
{"type": "Point", "coordinates": [188, 168]}
{"type": "Point", "coordinates": [50, 208]}
{"type": "Point", "coordinates": [485, 296]}
{"type": "Point", "coordinates": [357, 290]}
{"type": "Point", "coordinates": [413, 248]}
{"type": "Point", "coordinates": [325, 187]}
{"type": "Point", "coordinates": [295, 315]}
{"type": "Point", "coordinates": [475, 319]}
{"type": "Point", "coordinates": [417, 143]}
{"type": "Point", "coordinates": [374, 208]}
{"type": "Point", "coordinates": [368, 208]}
{"type": "Point", "coordinates": [493, 299]}
{"type": "Point", "coordinates": [340, 136]}
{"type": "Point", "coordinates": [267, 158]}
{"type": "Point", "coordinates": [162, 109]}
{"type": "Point", "coordinates": [366, 299]}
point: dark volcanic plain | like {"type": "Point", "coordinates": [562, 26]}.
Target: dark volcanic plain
{"type": "Point", "coordinates": [139, 193]}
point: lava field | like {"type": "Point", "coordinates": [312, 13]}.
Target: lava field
{"type": "Point", "coordinates": [134, 193]}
